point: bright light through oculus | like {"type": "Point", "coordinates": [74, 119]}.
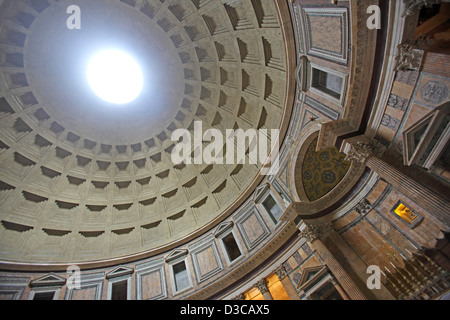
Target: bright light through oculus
{"type": "Point", "coordinates": [115, 77]}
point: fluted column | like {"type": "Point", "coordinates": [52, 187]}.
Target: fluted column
{"type": "Point", "coordinates": [287, 284]}
{"type": "Point", "coordinates": [316, 235]}
{"type": "Point", "coordinates": [370, 152]}
{"type": "Point", "coordinates": [264, 289]}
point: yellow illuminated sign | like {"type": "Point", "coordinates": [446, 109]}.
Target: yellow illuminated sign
{"type": "Point", "coordinates": [405, 213]}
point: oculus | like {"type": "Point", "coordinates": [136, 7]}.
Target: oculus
{"type": "Point", "coordinates": [115, 77]}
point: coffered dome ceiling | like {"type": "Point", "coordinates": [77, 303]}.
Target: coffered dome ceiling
{"type": "Point", "coordinates": [81, 180]}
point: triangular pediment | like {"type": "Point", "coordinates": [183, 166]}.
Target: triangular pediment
{"type": "Point", "coordinates": [418, 137]}
{"type": "Point", "coordinates": [223, 227]}
{"type": "Point", "coordinates": [412, 137]}
{"type": "Point", "coordinates": [48, 280]}
{"type": "Point", "coordinates": [311, 273]}
{"type": "Point", "coordinates": [260, 191]}
{"type": "Point", "coordinates": [301, 73]}
{"type": "Point", "coordinates": [119, 271]}
{"type": "Point", "coordinates": [175, 254]}
{"type": "Point", "coordinates": [283, 175]}
{"type": "Point", "coordinates": [308, 118]}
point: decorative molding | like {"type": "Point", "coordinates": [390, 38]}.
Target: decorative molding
{"type": "Point", "coordinates": [317, 231]}
{"type": "Point", "coordinates": [118, 272]}
{"type": "Point", "coordinates": [301, 73]}
{"type": "Point", "coordinates": [13, 286]}
{"type": "Point", "coordinates": [296, 13]}
{"type": "Point", "coordinates": [363, 207]}
{"type": "Point", "coordinates": [308, 118]}
{"type": "Point", "coordinates": [409, 58]}
{"type": "Point", "coordinates": [242, 223]}
{"type": "Point", "coordinates": [48, 280]}
{"type": "Point", "coordinates": [126, 277]}
{"type": "Point", "coordinates": [88, 281]}
{"type": "Point", "coordinates": [281, 272]}
{"type": "Point", "coordinates": [176, 254]}
{"type": "Point", "coordinates": [361, 150]}
{"type": "Point", "coordinates": [147, 269]}
{"type": "Point", "coordinates": [259, 192]}
{"type": "Point", "coordinates": [197, 249]}
{"type": "Point", "coordinates": [309, 275]}
{"type": "Point", "coordinates": [313, 86]}
{"type": "Point", "coordinates": [312, 49]}
{"type": "Point", "coordinates": [261, 285]}
{"type": "Point", "coordinates": [287, 200]}
{"type": "Point", "coordinates": [414, 149]}
{"type": "Point", "coordinates": [396, 28]}
{"type": "Point", "coordinates": [322, 108]}
{"type": "Point", "coordinates": [223, 227]}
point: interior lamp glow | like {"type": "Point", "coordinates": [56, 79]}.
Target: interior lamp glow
{"type": "Point", "coordinates": [115, 77]}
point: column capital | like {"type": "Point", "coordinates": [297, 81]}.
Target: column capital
{"type": "Point", "coordinates": [317, 231]}
{"type": "Point", "coordinates": [409, 57]}
{"type": "Point", "coordinates": [239, 297]}
{"type": "Point", "coordinates": [363, 207]}
{"type": "Point", "coordinates": [281, 272]}
{"type": "Point", "coordinates": [262, 286]}
{"type": "Point", "coordinates": [362, 149]}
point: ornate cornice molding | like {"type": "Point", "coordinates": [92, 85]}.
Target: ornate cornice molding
{"type": "Point", "coordinates": [314, 232]}
{"type": "Point", "coordinates": [409, 58]}
{"type": "Point", "coordinates": [360, 150]}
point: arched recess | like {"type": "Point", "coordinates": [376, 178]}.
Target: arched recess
{"type": "Point", "coordinates": [297, 153]}
{"type": "Point", "coordinates": [307, 207]}
{"type": "Point", "coordinates": [320, 171]}
{"type": "Point", "coordinates": [298, 165]}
